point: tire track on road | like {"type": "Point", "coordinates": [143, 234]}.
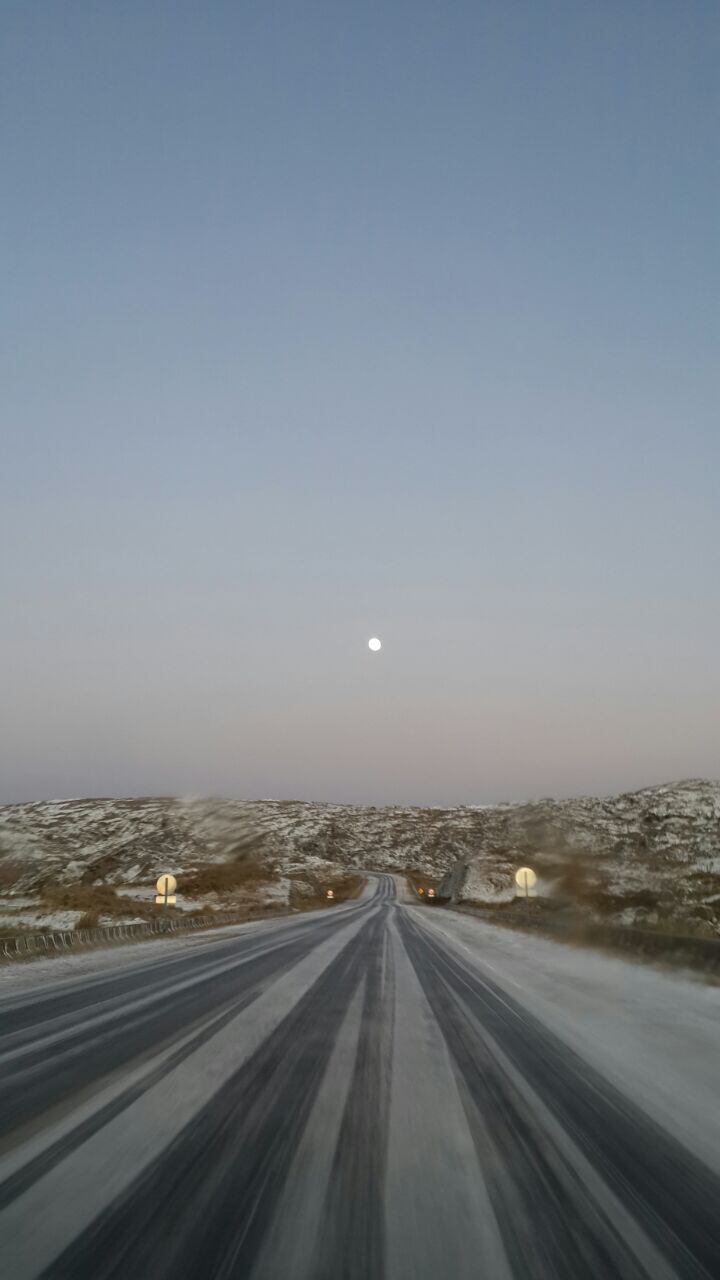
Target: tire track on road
{"type": "Point", "coordinates": [230, 1162]}
{"type": "Point", "coordinates": [670, 1193]}
{"type": "Point", "coordinates": [354, 1209]}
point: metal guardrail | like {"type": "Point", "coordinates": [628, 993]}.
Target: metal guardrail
{"type": "Point", "coordinates": [33, 944]}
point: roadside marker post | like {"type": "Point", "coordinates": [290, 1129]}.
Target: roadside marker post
{"type": "Point", "coordinates": [526, 879]}
{"type": "Point", "coordinates": [166, 887]}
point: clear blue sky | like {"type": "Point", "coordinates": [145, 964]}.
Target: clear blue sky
{"type": "Point", "coordinates": [325, 320]}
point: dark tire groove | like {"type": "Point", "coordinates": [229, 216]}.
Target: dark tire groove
{"type": "Point", "coordinates": [352, 1239]}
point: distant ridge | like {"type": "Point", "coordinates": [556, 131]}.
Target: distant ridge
{"type": "Point", "coordinates": [652, 854]}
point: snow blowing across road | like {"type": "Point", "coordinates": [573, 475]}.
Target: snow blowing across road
{"type": "Point", "coordinates": [377, 1091]}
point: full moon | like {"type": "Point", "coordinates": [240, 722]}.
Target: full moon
{"type": "Point", "coordinates": [374, 644]}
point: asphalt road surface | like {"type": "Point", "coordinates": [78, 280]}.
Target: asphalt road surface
{"type": "Point", "coordinates": [335, 1096]}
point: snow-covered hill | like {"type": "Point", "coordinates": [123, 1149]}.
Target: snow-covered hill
{"type": "Point", "coordinates": [652, 854]}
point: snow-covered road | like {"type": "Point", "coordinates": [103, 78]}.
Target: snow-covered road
{"type": "Point", "coordinates": [379, 1091]}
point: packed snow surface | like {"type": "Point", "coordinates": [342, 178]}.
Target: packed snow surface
{"type": "Point", "coordinates": [655, 1035]}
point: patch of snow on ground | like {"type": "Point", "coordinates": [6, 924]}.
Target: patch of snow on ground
{"type": "Point", "coordinates": [142, 893]}
{"type": "Point", "coordinates": [182, 903]}
{"type": "Point", "coordinates": [110, 920]}
{"type": "Point", "coordinates": [277, 890]}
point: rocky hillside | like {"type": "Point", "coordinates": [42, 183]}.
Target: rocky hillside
{"type": "Point", "coordinates": [647, 857]}
{"type": "Point", "coordinates": [652, 854]}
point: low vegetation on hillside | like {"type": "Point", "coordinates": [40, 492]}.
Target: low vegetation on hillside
{"type": "Point", "coordinates": [650, 857]}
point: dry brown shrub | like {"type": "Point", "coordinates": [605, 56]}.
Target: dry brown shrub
{"type": "Point", "coordinates": [10, 873]}
{"type": "Point", "coordinates": [95, 901]}
{"type": "Point", "coordinates": [343, 887]}
{"type": "Point", "coordinates": [420, 880]}
{"type": "Point", "coordinates": [226, 877]}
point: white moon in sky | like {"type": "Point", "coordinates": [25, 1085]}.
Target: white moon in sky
{"type": "Point", "coordinates": [374, 644]}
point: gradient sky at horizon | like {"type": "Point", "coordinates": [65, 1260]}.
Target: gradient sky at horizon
{"type": "Point", "coordinates": [328, 320]}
